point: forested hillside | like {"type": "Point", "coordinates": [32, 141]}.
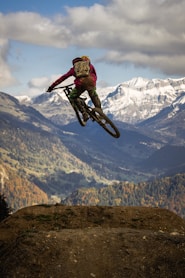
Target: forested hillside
{"type": "Point", "coordinates": [166, 193]}
{"type": "Point", "coordinates": [20, 192]}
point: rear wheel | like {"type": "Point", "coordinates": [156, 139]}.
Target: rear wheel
{"type": "Point", "coordinates": [98, 115]}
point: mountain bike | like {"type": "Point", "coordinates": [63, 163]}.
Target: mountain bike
{"type": "Point", "coordinates": [95, 114]}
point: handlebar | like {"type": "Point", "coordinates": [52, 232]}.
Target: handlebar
{"type": "Point", "coordinates": [63, 87]}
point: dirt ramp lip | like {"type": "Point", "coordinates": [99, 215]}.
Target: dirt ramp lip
{"type": "Point", "coordinates": [84, 241]}
{"type": "Point", "coordinates": [56, 217]}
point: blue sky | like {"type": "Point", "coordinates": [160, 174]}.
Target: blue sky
{"type": "Point", "coordinates": [124, 39]}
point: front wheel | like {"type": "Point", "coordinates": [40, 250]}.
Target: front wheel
{"type": "Point", "coordinates": [79, 116]}
{"type": "Point", "coordinates": [98, 115]}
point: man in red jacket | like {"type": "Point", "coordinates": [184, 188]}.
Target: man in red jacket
{"type": "Point", "coordinates": [85, 80]}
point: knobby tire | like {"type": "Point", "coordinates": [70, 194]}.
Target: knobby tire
{"type": "Point", "coordinates": [105, 122]}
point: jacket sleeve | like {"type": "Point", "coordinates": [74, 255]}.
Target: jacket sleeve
{"type": "Point", "coordinates": [63, 77]}
{"type": "Point", "coordinates": [93, 71]}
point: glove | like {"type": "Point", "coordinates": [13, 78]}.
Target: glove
{"type": "Point", "coordinates": [49, 89]}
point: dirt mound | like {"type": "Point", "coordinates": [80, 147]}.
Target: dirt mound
{"type": "Point", "coordinates": [80, 241]}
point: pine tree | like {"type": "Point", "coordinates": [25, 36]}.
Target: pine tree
{"type": "Point", "coordinates": [4, 208]}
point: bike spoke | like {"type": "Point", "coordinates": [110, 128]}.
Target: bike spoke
{"type": "Point", "coordinates": [105, 122]}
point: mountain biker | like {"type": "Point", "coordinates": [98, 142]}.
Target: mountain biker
{"type": "Point", "coordinates": [85, 80]}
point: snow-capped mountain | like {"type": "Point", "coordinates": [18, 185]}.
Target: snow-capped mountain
{"type": "Point", "coordinates": [140, 99]}
{"type": "Point", "coordinates": [132, 102]}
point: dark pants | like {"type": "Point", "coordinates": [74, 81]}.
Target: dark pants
{"type": "Point", "coordinates": [77, 91]}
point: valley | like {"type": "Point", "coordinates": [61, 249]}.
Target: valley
{"type": "Point", "coordinates": [42, 142]}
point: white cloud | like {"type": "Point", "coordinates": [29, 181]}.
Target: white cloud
{"type": "Point", "coordinates": [33, 28]}
{"type": "Point", "coordinates": [39, 82]}
{"type": "Point", "coordinates": [38, 85]}
{"type": "Point", "coordinates": [145, 33]}
{"type": "Point", "coordinates": [6, 77]}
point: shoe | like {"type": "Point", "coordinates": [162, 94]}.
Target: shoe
{"type": "Point", "coordinates": [85, 116]}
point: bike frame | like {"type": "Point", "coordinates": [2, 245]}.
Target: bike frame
{"type": "Point", "coordinates": [95, 114]}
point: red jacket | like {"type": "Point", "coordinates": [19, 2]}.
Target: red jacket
{"type": "Point", "coordinates": [77, 81]}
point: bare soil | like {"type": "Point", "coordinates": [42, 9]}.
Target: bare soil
{"type": "Point", "coordinates": [87, 241]}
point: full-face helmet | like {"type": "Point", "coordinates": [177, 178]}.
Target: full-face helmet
{"type": "Point", "coordinates": [77, 60]}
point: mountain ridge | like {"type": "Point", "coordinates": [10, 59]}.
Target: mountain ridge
{"type": "Point", "coordinates": [45, 142]}
{"type": "Point", "coordinates": [143, 97]}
